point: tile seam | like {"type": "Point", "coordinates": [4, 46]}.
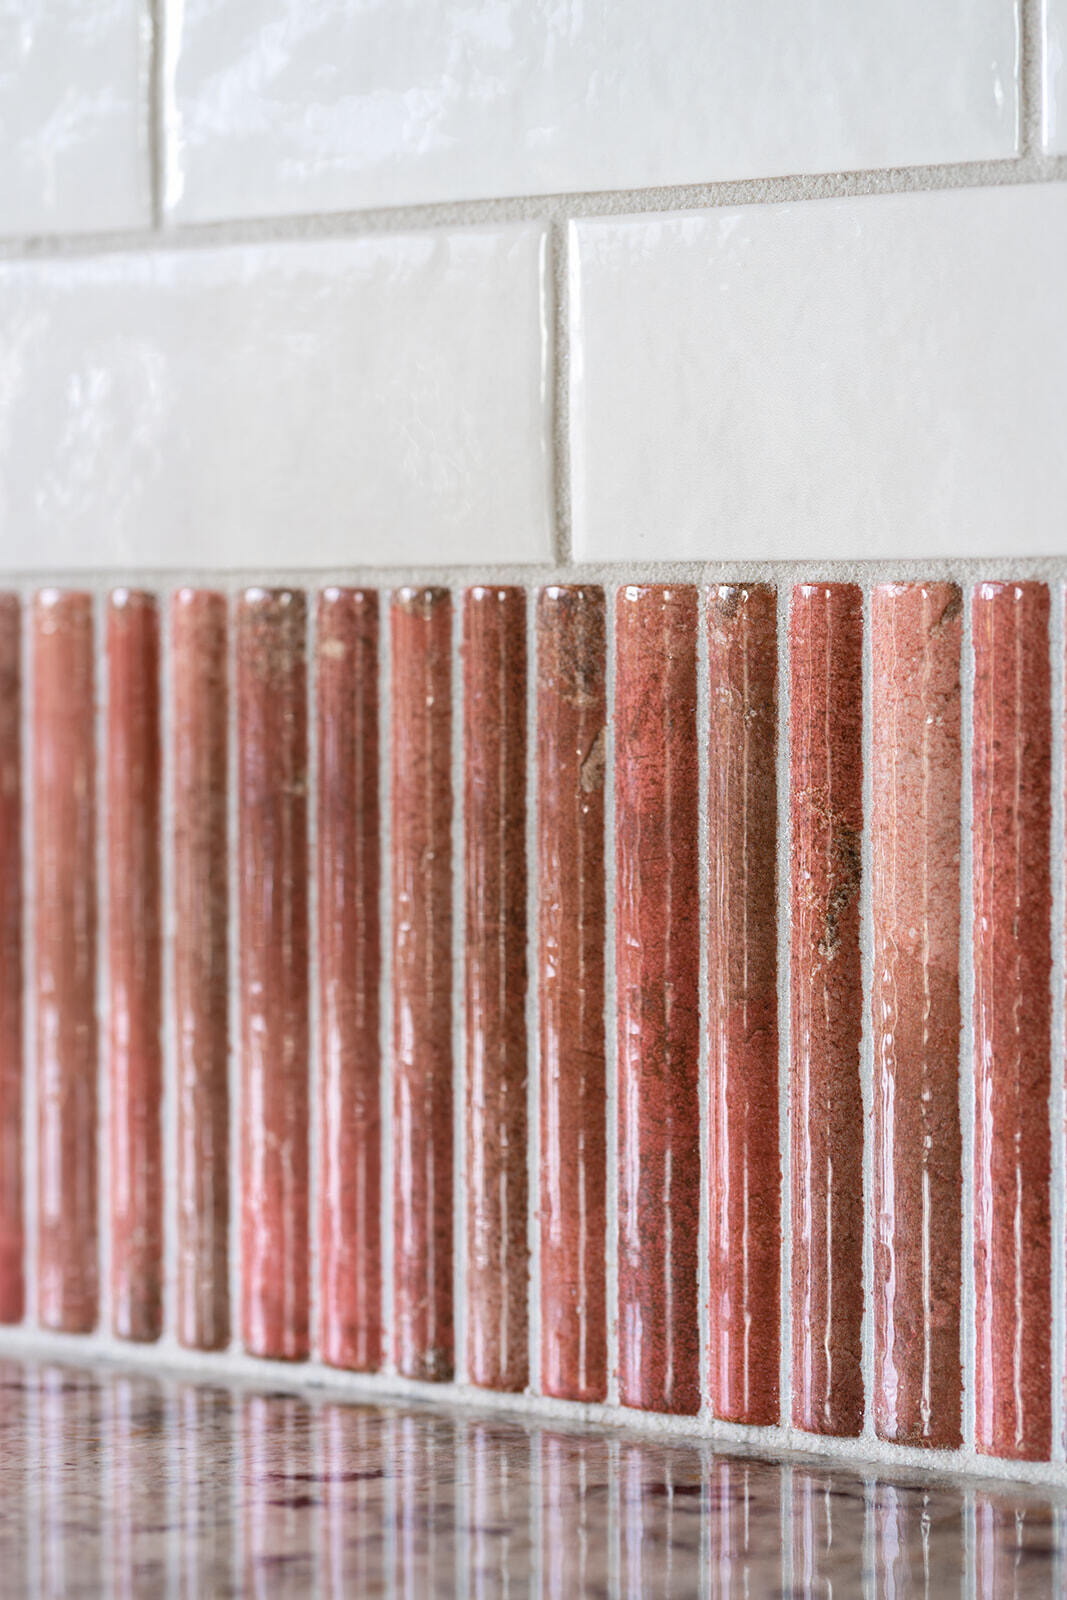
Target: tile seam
{"type": "Point", "coordinates": [703, 1000]}
{"type": "Point", "coordinates": [1029, 77]}
{"type": "Point", "coordinates": [966, 1057]}
{"type": "Point", "coordinates": [168, 1101]}
{"type": "Point", "coordinates": [921, 178]}
{"type": "Point", "coordinates": [102, 695]}
{"type": "Point", "coordinates": [1057, 1105]}
{"type": "Point", "coordinates": [233, 934]}
{"type": "Point", "coordinates": [314, 1061]}
{"type": "Point", "coordinates": [154, 23]}
{"type": "Point", "coordinates": [533, 1005]}
{"type": "Point", "coordinates": [867, 1068]}
{"type": "Point", "coordinates": [556, 292]}
{"type": "Point", "coordinates": [385, 1024]}
{"type": "Point", "coordinates": [611, 1038]}
{"type": "Point", "coordinates": [29, 967]}
{"type": "Point", "coordinates": [784, 881]}
{"type": "Point", "coordinates": [460, 1207]}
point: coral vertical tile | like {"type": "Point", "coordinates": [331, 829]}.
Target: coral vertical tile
{"type": "Point", "coordinates": [273, 888]}
{"type": "Point", "coordinates": [745, 1166]}
{"type": "Point", "coordinates": [64, 802]}
{"type": "Point", "coordinates": [915, 1010]}
{"type": "Point", "coordinates": [572, 745]}
{"type": "Point", "coordinates": [494, 800]}
{"type": "Point", "coordinates": [12, 1286]}
{"type": "Point", "coordinates": [349, 1111]}
{"type": "Point", "coordinates": [826, 809]}
{"type": "Point", "coordinates": [134, 965]}
{"type": "Point", "coordinates": [657, 966]}
{"type": "Point", "coordinates": [1011, 779]}
{"type": "Point", "coordinates": [201, 964]}
{"type": "Point", "coordinates": [422, 982]}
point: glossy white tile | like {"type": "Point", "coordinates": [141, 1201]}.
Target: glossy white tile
{"type": "Point", "coordinates": [1054, 109]}
{"type": "Point", "coordinates": [883, 376]}
{"type": "Point", "coordinates": [335, 403]}
{"type": "Point", "coordinates": [280, 106]}
{"type": "Point", "coordinates": [73, 115]}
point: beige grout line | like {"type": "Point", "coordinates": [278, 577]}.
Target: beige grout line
{"type": "Point", "coordinates": [556, 299]}
{"type": "Point", "coordinates": [1030, 24]}
{"type": "Point", "coordinates": [154, 27]}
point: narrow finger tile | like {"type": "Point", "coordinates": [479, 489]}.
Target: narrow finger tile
{"type": "Point", "coordinates": [494, 819]}
{"type": "Point", "coordinates": [571, 757]}
{"type": "Point", "coordinates": [745, 1166]}
{"type": "Point", "coordinates": [12, 1284]}
{"type": "Point", "coordinates": [65, 923]}
{"type": "Point", "coordinates": [135, 1065]}
{"type": "Point", "coordinates": [350, 1262]}
{"type": "Point", "coordinates": [273, 880]}
{"type": "Point", "coordinates": [201, 964]}
{"type": "Point", "coordinates": [1011, 780]}
{"type": "Point", "coordinates": [915, 1010]}
{"type": "Point", "coordinates": [657, 955]}
{"type": "Point", "coordinates": [422, 982]}
{"type": "Point", "coordinates": [826, 812]}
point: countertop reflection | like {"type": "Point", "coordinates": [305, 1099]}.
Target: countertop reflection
{"type": "Point", "coordinates": [128, 1485]}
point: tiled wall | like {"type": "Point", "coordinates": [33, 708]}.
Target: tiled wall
{"type": "Point", "coordinates": [627, 980]}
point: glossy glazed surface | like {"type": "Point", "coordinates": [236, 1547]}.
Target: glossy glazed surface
{"type": "Point", "coordinates": [657, 964]}
{"type": "Point", "coordinates": [826, 818]}
{"type": "Point", "coordinates": [299, 105]}
{"type": "Point", "coordinates": [494, 822]}
{"type": "Point", "coordinates": [908, 413]}
{"type": "Point", "coordinates": [1011, 778]}
{"type": "Point", "coordinates": [201, 965]}
{"type": "Point", "coordinates": [1054, 60]}
{"type": "Point", "coordinates": [65, 928]}
{"type": "Point", "coordinates": [214, 409]}
{"type": "Point", "coordinates": [12, 1282]}
{"type": "Point", "coordinates": [571, 770]}
{"type": "Point", "coordinates": [421, 663]}
{"type": "Point", "coordinates": [916, 634]}
{"type": "Point", "coordinates": [135, 1066]}
{"type": "Point", "coordinates": [349, 862]}
{"type": "Point", "coordinates": [272, 774]}
{"type": "Point", "coordinates": [745, 1171]}
{"type": "Point", "coordinates": [120, 1484]}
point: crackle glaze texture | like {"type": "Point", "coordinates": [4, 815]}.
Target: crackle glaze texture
{"type": "Point", "coordinates": [494, 822]}
{"type": "Point", "coordinates": [201, 967]}
{"type": "Point", "coordinates": [422, 982]}
{"type": "Point", "coordinates": [826, 817]}
{"type": "Point", "coordinates": [349, 855]}
{"type": "Point", "coordinates": [135, 1067]}
{"type": "Point", "coordinates": [12, 1283]}
{"type": "Point", "coordinates": [916, 632]}
{"type": "Point", "coordinates": [272, 771]}
{"type": "Point", "coordinates": [65, 928]}
{"type": "Point", "coordinates": [742, 1007]}
{"type": "Point", "coordinates": [657, 959]}
{"type": "Point", "coordinates": [571, 770]}
{"type": "Point", "coordinates": [1011, 777]}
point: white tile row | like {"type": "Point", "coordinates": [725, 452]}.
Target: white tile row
{"type": "Point", "coordinates": [286, 106]}
{"type": "Point", "coordinates": [879, 376]}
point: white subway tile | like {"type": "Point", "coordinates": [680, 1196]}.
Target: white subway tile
{"type": "Point", "coordinates": [282, 106]}
{"type": "Point", "coordinates": [882, 376]}
{"type": "Point", "coordinates": [73, 115]}
{"type": "Point", "coordinates": [1054, 111]}
{"type": "Point", "coordinates": [335, 403]}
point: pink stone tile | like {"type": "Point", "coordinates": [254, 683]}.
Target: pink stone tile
{"type": "Point", "coordinates": [12, 1285]}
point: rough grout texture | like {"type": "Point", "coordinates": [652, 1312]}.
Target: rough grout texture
{"type": "Point", "coordinates": [571, 757]}
{"type": "Point", "coordinates": [916, 772]}
{"type": "Point", "coordinates": [349, 954]}
{"type": "Point", "coordinates": [657, 956]}
{"type": "Point", "coordinates": [201, 968]}
{"type": "Point", "coordinates": [494, 815]}
{"type": "Point", "coordinates": [135, 1053]}
{"type": "Point", "coordinates": [422, 982]}
{"type": "Point", "coordinates": [12, 1062]}
{"type": "Point", "coordinates": [272, 762]}
{"type": "Point", "coordinates": [744, 1171]}
{"type": "Point", "coordinates": [826, 668]}
{"type": "Point", "coordinates": [64, 799]}
{"type": "Point", "coordinates": [1012, 1006]}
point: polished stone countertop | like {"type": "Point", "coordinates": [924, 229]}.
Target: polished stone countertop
{"type": "Point", "coordinates": [123, 1484]}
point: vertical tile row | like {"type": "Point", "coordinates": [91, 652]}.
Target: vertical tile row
{"type": "Point", "coordinates": [135, 1048]}
{"type": "Point", "coordinates": [349, 1110]}
{"type": "Point", "coordinates": [657, 963]}
{"type": "Point", "coordinates": [12, 1282]}
{"type": "Point", "coordinates": [422, 982]}
{"type": "Point", "coordinates": [826, 815]}
{"type": "Point", "coordinates": [494, 829]}
{"type": "Point", "coordinates": [571, 769]}
{"type": "Point", "coordinates": [272, 781]}
{"type": "Point", "coordinates": [201, 966]}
